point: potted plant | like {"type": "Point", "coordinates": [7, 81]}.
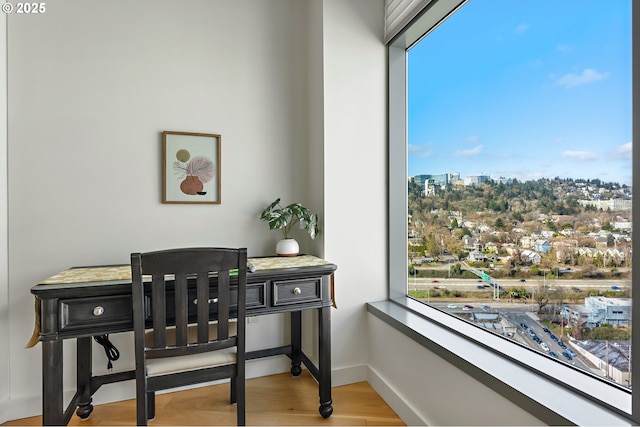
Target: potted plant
{"type": "Point", "coordinates": [285, 218]}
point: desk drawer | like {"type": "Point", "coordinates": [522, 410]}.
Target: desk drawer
{"type": "Point", "coordinates": [256, 299]}
{"type": "Point", "coordinates": [83, 313]}
{"type": "Point", "coordinates": [296, 291]}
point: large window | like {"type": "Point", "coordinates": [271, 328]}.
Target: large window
{"type": "Point", "coordinates": [511, 132]}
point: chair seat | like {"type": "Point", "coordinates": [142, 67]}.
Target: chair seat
{"type": "Point", "coordinates": [192, 362]}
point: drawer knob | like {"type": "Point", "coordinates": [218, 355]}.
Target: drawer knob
{"type": "Point", "coordinates": [297, 291]}
{"type": "Point", "coordinates": [98, 311]}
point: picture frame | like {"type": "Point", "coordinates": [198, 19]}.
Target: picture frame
{"type": "Point", "coordinates": [191, 167]}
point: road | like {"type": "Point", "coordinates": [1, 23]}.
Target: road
{"type": "Point", "coordinates": [421, 283]}
{"type": "Point", "coordinates": [516, 314]}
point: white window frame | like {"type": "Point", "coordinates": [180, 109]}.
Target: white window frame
{"type": "Point", "coordinates": [456, 335]}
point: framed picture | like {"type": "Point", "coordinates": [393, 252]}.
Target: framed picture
{"type": "Point", "coordinates": [190, 167]}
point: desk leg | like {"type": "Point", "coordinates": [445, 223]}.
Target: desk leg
{"type": "Point", "coordinates": [324, 382]}
{"type": "Point", "coordinates": [296, 343]}
{"type": "Point", "coordinates": [84, 377]}
{"type": "Point", "coordinates": [52, 383]}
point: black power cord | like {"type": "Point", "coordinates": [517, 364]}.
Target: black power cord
{"type": "Point", "coordinates": [110, 350]}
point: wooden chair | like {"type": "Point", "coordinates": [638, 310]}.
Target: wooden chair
{"type": "Point", "coordinates": [176, 344]}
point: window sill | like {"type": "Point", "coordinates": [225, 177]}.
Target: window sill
{"type": "Point", "coordinates": [534, 381]}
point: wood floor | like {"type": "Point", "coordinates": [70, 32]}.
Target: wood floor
{"type": "Point", "coordinates": [271, 400]}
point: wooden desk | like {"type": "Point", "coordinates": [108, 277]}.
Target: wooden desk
{"type": "Point", "coordinates": [82, 302]}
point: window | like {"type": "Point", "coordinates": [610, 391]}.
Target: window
{"type": "Point", "coordinates": [489, 210]}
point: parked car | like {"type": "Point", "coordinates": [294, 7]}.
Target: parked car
{"type": "Point", "coordinates": [553, 337]}
{"type": "Point", "coordinates": [571, 352]}
{"type": "Point", "coordinates": [545, 346]}
{"type": "Point", "coordinates": [567, 355]}
{"type": "Point", "coordinates": [562, 344]}
{"type": "Point", "coordinates": [546, 330]}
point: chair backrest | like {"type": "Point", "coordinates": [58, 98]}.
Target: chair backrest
{"type": "Point", "coordinates": [189, 286]}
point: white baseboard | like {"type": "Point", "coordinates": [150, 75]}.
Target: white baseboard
{"type": "Point", "coordinates": [350, 375]}
{"type": "Point", "coordinates": [354, 374]}
{"type": "Point", "coordinates": [21, 407]}
{"type": "Point", "coordinates": [406, 412]}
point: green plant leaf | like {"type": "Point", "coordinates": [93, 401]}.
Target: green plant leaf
{"type": "Point", "coordinates": [310, 224]}
{"type": "Point", "coordinates": [298, 210]}
{"type": "Point", "coordinates": [286, 218]}
{"type": "Point", "coordinates": [266, 214]}
{"type": "Point", "coordinates": [277, 222]}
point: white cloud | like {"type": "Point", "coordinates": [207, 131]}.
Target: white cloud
{"type": "Point", "coordinates": [472, 139]}
{"type": "Point", "coordinates": [588, 75]}
{"type": "Point", "coordinates": [521, 28]}
{"type": "Point", "coordinates": [418, 151]}
{"type": "Point", "coordinates": [579, 155]}
{"type": "Point", "coordinates": [470, 152]}
{"type": "Point", "coordinates": [624, 151]}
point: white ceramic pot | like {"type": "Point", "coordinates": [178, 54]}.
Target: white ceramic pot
{"type": "Point", "coordinates": [287, 247]}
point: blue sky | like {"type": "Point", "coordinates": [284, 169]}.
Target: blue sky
{"type": "Point", "coordinates": [524, 89]}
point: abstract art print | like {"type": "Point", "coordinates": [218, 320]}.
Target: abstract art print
{"type": "Point", "coordinates": [190, 167]}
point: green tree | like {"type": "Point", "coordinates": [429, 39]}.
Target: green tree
{"type": "Point", "coordinates": [541, 297]}
{"type": "Point", "coordinates": [432, 245]}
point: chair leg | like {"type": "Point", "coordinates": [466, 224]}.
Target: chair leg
{"type": "Point", "coordinates": [240, 396]}
{"type": "Point", "coordinates": [141, 405]}
{"type": "Point", "coordinates": [233, 398]}
{"type": "Point", "coordinates": [151, 405]}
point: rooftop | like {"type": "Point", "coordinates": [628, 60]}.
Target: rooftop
{"type": "Point", "coordinates": [615, 353]}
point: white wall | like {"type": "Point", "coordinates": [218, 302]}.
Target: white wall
{"type": "Point", "coordinates": [354, 71]}
{"type": "Point", "coordinates": [4, 282]}
{"type": "Point", "coordinates": [91, 87]}
{"type": "Point", "coordinates": [426, 389]}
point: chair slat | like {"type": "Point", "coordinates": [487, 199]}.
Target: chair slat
{"type": "Point", "coordinates": [223, 304]}
{"type": "Point", "coordinates": [159, 305]}
{"type": "Point", "coordinates": [202, 283]}
{"type": "Point", "coordinates": [182, 313]}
